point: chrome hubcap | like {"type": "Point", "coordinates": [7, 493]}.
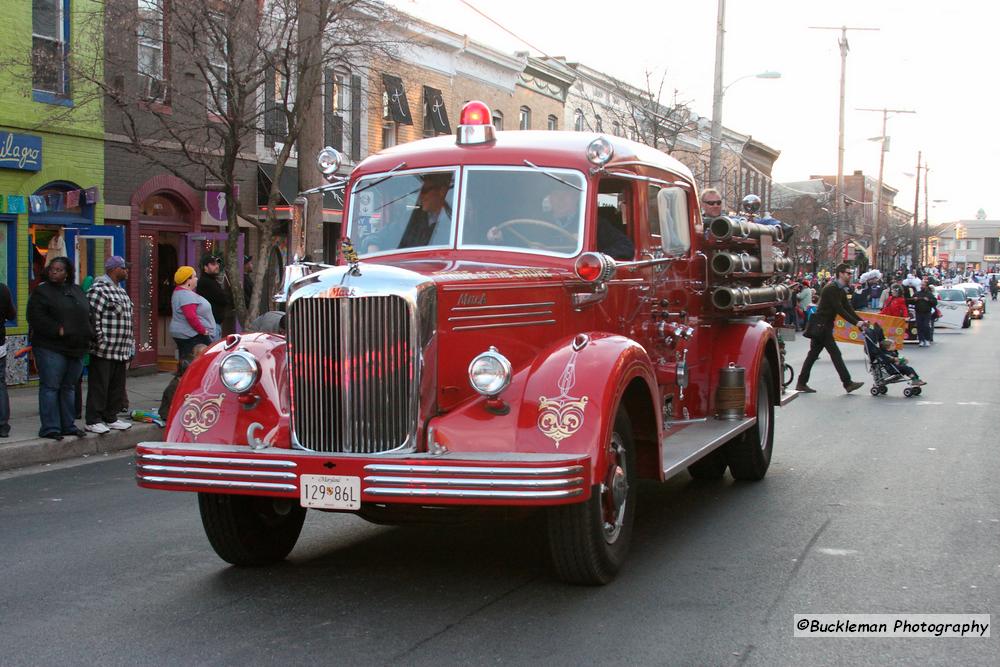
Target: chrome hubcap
{"type": "Point", "coordinates": [614, 490]}
{"type": "Point", "coordinates": [763, 415]}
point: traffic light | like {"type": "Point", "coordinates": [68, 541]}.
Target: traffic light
{"type": "Point", "coordinates": [960, 232]}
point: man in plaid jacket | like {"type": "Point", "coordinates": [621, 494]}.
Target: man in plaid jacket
{"type": "Point", "coordinates": [112, 350]}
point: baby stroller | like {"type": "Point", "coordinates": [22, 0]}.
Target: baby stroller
{"type": "Point", "coordinates": [883, 371]}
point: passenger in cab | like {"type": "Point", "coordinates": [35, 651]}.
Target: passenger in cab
{"type": "Point", "coordinates": [429, 223]}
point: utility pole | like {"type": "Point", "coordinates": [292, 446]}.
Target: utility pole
{"type": "Point", "coordinates": [927, 210]}
{"type": "Point", "coordinates": [915, 261]}
{"type": "Point", "coordinates": [881, 171]}
{"type": "Point", "coordinates": [715, 147]}
{"type": "Point", "coordinates": [844, 48]}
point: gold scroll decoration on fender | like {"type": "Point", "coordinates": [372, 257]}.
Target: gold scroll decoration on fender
{"type": "Point", "coordinates": [200, 414]}
{"type": "Point", "coordinates": [562, 416]}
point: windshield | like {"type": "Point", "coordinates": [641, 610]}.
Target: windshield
{"type": "Point", "coordinates": [533, 210]}
{"type": "Point", "coordinates": [972, 292]}
{"type": "Point", "coordinates": [408, 210]}
{"type": "Point", "coordinates": [951, 295]}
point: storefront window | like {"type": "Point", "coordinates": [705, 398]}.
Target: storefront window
{"type": "Point", "coordinates": [8, 252]}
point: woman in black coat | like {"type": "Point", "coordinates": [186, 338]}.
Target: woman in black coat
{"type": "Point", "coordinates": [60, 333]}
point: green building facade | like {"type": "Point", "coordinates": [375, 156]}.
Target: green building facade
{"type": "Point", "coordinates": [51, 150]}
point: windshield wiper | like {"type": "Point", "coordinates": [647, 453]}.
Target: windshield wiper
{"type": "Point", "coordinates": [385, 178]}
{"type": "Point", "coordinates": [551, 175]}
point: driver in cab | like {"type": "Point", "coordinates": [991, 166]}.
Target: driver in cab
{"type": "Point", "coordinates": [564, 216]}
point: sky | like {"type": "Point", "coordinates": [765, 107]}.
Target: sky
{"type": "Point", "coordinates": [936, 58]}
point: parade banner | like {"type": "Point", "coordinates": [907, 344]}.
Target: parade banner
{"type": "Point", "coordinates": [894, 328]}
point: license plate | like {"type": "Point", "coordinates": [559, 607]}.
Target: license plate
{"type": "Point", "coordinates": [330, 493]}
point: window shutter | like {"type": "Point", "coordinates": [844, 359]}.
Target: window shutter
{"type": "Point", "coordinates": [355, 117]}
{"type": "Point", "coordinates": [333, 124]}
{"type": "Point", "coordinates": [270, 113]}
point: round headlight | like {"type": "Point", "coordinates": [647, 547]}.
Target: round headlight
{"type": "Point", "coordinates": [329, 160]}
{"type": "Point", "coordinates": [489, 373]}
{"type": "Point", "coordinates": [239, 372]}
{"type": "Point", "coordinates": [600, 151]}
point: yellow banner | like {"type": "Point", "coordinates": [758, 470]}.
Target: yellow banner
{"type": "Point", "coordinates": [894, 328]}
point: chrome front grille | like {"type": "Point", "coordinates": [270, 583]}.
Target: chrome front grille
{"type": "Point", "coordinates": [353, 373]}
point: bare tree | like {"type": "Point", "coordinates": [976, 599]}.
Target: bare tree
{"type": "Point", "coordinates": [189, 84]}
{"type": "Point", "coordinates": [640, 113]}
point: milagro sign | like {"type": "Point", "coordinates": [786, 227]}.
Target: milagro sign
{"type": "Point", "coordinates": [20, 151]}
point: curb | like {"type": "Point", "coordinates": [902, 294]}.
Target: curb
{"type": "Point", "coordinates": [43, 450]}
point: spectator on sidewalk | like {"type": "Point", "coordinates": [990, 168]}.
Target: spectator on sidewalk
{"type": "Point", "coordinates": [7, 312]}
{"type": "Point", "coordinates": [59, 322]}
{"type": "Point", "coordinates": [112, 350]}
{"type": "Point", "coordinates": [247, 280]}
{"type": "Point", "coordinates": [210, 286]}
{"type": "Point", "coordinates": [192, 322]}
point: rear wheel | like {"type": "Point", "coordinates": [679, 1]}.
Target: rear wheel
{"type": "Point", "coordinates": [875, 391]}
{"type": "Point", "coordinates": [250, 530]}
{"type": "Point", "coordinates": [749, 456]}
{"type": "Point", "coordinates": [588, 541]}
{"type": "Point", "coordinates": [711, 467]}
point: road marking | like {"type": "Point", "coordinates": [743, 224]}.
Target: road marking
{"type": "Point", "coordinates": [836, 552]}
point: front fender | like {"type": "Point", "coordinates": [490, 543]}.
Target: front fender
{"type": "Point", "coordinates": [747, 345]}
{"type": "Point", "coordinates": [203, 410]}
{"type": "Point", "coordinates": [564, 402]}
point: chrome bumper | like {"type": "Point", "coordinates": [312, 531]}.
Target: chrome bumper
{"type": "Point", "coordinates": [449, 479]}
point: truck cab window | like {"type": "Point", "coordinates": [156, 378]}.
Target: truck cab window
{"type": "Point", "coordinates": [668, 218]}
{"type": "Point", "coordinates": [615, 225]}
{"type": "Point", "coordinates": [403, 211]}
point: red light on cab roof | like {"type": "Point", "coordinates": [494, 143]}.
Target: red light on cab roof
{"type": "Point", "coordinates": [475, 113]}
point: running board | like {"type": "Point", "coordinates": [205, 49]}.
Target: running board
{"type": "Point", "coordinates": [787, 396]}
{"type": "Point", "coordinates": [695, 441]}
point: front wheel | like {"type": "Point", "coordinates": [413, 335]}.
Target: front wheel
{"type": "Point", "coordinates": [967, 322]}
{"type": "Point", "coordinates": [250, 530]}
{"type": "Point", "coordinates": [749, 455]}
{"type": "Point", "coordinates": [588, 541]}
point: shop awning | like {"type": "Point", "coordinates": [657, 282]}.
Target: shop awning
{"type": "Point", "coordinates": [288, 187]}
{"type": "Point", "coordinates": [399, 108]}
{"type": "Point", "coordinates": [435, 110]}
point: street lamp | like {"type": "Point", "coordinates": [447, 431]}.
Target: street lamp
{"type": "Point", "coordinates": [714, 162]}
{"type": "Point", "coordinates": [814, 235]}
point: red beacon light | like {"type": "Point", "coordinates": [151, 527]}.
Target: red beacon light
{"type": "Point", "coordinates": [595, 267]}
{"type": "Point", "coordinates": [475, 124]}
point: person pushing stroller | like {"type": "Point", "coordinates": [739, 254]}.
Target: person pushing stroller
{"type": "Point", "coordinates": [885, 364]}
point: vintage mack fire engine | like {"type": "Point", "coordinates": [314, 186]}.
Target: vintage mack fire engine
{"type": "Point", "coordinates": [521, 319]}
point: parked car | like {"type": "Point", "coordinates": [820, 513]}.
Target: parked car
{"type": "Point", "coordinates": [955, 308]}
{"type": "Point", "coordinates": [976, 294]}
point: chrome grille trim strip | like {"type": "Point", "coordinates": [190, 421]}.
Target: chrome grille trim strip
{"type": "Point", "coordinates": [219, 483]}
{"type": "Point", "coordinates": [490, 483]}
{"type": "Point", "coordinates": [473, 470]}
{"type": "Point", "coordinates": [354, 373]}
{"type": "Point", "coordinates": [219, 472]}
{"type": "Point", "coordinates": [258, 463]}
{"type": "Point", "coordinates": [498, 325]}
{"type": "Point", "coordinates": [540, 304]}
{"type": "Point", "coordinates": [470, 493]}
{"type": "Point", "coordinates": [498, 316]}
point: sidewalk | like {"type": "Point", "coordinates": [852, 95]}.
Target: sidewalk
{"type": "Point", "coordinates": [24, 447]}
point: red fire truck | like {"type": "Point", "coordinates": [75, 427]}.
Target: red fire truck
{"type": "Point", "coordinates": [517, 319]}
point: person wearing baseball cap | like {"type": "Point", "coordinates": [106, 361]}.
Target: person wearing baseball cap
{"type": "Point", "coordinates": [111, 350]}
{"type": "Point", "coordinates": [191, 323]}
{"type": "Point", "coordinates": [210, 286]}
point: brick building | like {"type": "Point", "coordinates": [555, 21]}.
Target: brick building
{"type": "Point", "coordinates": [165, 221]}
{"type": "Point", "coordinates": [51, 154]}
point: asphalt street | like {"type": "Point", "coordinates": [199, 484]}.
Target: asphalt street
{"type": "Point", "coordinates": [872, 505]}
